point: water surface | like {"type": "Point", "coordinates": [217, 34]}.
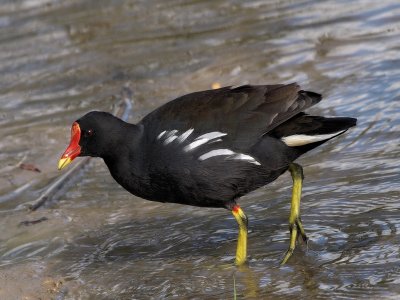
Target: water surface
{"type": "Point", "coordinates": [60, 59]}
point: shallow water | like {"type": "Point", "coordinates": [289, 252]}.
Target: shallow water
{"type": "Point", "coordinates": [60, 59]}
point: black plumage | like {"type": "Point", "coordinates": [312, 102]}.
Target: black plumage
{"type": "Point", "coordinates": [209, 148]}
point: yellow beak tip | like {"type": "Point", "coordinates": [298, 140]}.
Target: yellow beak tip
{"type": "Point", "coordinates": [63, 162]}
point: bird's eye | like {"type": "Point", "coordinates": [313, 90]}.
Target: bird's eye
{"type": "Point", "coordinates": [89, 132]}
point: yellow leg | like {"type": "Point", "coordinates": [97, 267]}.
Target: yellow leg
{"type": "Point", "coordinates": [295, 225]}
{"type": "Point", "coordinates": [241, 250]}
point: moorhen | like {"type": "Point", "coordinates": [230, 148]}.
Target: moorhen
{"type": "Point", "coordinates": [209, 148]}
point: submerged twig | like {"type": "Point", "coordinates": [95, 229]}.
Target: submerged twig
{"type": "Point", "coordinates": [121, 110]}
{"type": "Point", "coordinates": [32, 222]}
{"type": "Point", "coordinates": [29, 167]}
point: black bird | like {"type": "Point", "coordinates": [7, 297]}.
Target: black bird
{"type": "Point", "coordinates": [209, 148]}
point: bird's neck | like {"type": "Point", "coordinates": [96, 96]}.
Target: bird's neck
{"type": "Point", "coordinates": [126, 164]}
{"type": "Point", "coordinates": [122, 142]}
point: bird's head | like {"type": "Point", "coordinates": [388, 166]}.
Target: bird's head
{"type": "Point", "coordinates": [95, 134]}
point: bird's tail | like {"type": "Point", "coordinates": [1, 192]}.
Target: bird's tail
{"type": "Point", "coordinates": [304, 132]}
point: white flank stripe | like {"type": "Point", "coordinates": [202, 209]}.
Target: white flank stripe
{"type": "Point", "coordinates": [249, 158]}
{"type": "Point", "coordinates": [216, 152]}
{"type": "Point", "coordinates": [233, 155]}
{"type": "Point", "coordinates": [161, 134]}
{"type": "Point", "coordinates": [214, 141]}
{"type": "Point", "coordinates": [195, 144]}
{"type": "Point", "coordinates": [211, 135]}
{"type": "Point", "coordinates": [185, 135]}
{"type": "Point", "coordinates": [303, 139]}
{"type": "Point", "coordinates": [171, 133]}
{"type": "Point", "coordinates": [170, 136]}
{"type": "Point", "coordinates": [170, 139]}
{"type": "Point", "coordinates": [205, 138]}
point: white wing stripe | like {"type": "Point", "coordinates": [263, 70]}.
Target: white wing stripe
{"type": "Point", "coordinates": [303, 139]}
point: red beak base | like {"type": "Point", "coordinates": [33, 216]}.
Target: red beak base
{"type": "Point", "coordinates": [73, 149]}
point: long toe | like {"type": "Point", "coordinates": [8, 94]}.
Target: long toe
{"type": "Point", "coordinates": [301, 230]}
{"type": "Point", "coordinates": [292, 245]}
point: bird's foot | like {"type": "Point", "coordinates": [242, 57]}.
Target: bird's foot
{"type": "Point", "coordinates": [296, 230]}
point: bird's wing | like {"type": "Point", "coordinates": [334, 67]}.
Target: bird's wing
{"type": "Point", "coordinates": [243, 114]}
